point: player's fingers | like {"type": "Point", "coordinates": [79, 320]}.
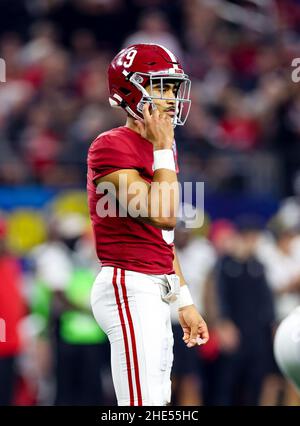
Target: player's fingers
{"type": "Point", "coordinates": [164, 116]}
{"type": "Point", "coordinates": [140, 126]}
{"type": "Point", "coordinates": [156, 114]}
{"type": "Point", "coordinates": [146, 112]}
{"type": "Point", "coordinates": [166, 122]}
{"type": "Point", "coordinates": [186, 330]}
{"type": "Point", "coordinates": [200, 341]}
{"type": "Point", "coordinates": [193, 336]}
{"type": "Point", "coordinates": [203, 332]}
{"type": "Point", "coordinates": [186, 334]}
{"type": "Point", "coordinates": [186, 337]}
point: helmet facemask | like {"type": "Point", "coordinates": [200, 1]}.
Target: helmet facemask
{"type": "Point", "coordinates": [181, 98]}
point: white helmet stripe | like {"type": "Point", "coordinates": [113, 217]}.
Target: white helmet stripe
{"type": "Point", "coordinates": [172, 56]}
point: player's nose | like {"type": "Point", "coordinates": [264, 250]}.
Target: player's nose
{"type": "Point", "coordinates": [171, 94]}
{"type": "Point", "coordinates": [171, 98]}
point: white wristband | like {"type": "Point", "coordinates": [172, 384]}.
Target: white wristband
{"type": "Point", "coordinates": [185, 298]}
{"type": "Point", "coordinates": [164, 159]}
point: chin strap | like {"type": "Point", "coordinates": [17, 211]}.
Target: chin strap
{"type": "Point", "coordinates": [133, 114]}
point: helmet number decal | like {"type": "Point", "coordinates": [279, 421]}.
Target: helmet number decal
{"type": "Point", "coordinates": [130, 57]}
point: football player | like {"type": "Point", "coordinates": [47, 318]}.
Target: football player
{"type": "Point", "coordinates": [140, 273]}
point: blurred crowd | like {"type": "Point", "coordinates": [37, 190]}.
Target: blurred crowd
{"type": "Point", "coordinates": [243, 130]}
{"type": "Point", "coordinates": [242, 135]}
{"type": "Point", "coordinates": [244, 277]}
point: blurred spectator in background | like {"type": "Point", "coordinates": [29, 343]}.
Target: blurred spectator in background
{"type": "Point", "coordinates": [239, 59]}
{"type": "Point", "coordinates": [245, 320]}
{"type": "Point", "coordinates": [282, 267]}
{"type": "Point", "coordinates": [222, 234]}
{"type": "Point", "coordinates": [12, 310]}
{"type": "Point", "coordinates": [154, 28]}
{"type": "Point", "coordinates": [61, 299]}
{"type": "Point", "coordinates": [196, 258]}
{"type": "Point", "coordinates": [279, 252]}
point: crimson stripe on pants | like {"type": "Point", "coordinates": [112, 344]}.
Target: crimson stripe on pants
{"type": "Point", "coordinates": [133, 342]}
{"type": "Point", "coordinates": [124, 337]}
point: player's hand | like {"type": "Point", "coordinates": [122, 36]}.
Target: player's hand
{"type": "Point", "coordinates": [194, 327]}
{"type": "Point", "coordinates": [157, 128]}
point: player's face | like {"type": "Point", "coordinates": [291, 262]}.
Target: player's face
{"type": "Point", "coordinates": [169, 91]}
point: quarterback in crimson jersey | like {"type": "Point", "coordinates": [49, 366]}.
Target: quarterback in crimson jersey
{"type": "Point", "coordinates": [125, 242]}
{"type": "Point", "coordinates": [134, 218]}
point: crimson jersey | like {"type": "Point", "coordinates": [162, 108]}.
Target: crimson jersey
{"type": "Point", "coordinates": [125, 242]}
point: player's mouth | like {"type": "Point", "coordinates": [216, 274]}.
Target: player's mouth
{"type": "Point", "coordinates": [170, 112]}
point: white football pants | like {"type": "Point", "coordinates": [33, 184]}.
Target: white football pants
{"type": "Point", "coordinates": [128, 307]}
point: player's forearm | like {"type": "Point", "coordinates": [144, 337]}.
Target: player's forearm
{"type": "Point", "coordinates": [185, 298]}
{"type": "Point", "coordinates": [163, 197]}
{"type": "Point", "coordinates": [177, 269]}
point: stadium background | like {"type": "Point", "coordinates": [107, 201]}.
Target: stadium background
{"type": "Point", "coordinates": [241, 139]}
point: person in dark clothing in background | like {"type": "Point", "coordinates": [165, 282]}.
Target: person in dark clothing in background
{"type": "Point", "coordinates": [245, 318]}
{"type": "Point", "coordinates": [61, 301]}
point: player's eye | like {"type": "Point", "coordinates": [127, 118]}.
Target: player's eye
{"type": "Point", "coordinates": [167, 88]}
{"type": "Point", "coordinates": [156, 87]}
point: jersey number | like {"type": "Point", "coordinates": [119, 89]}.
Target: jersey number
{"type": "Point", "coordinates": [130, 57]}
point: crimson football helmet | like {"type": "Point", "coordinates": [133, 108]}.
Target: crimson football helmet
{"type": "Point", "coordinates": [142, 65]}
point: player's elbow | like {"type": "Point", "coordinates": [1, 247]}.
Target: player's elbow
{"type": "Point", "coordinates": [166, 223]}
